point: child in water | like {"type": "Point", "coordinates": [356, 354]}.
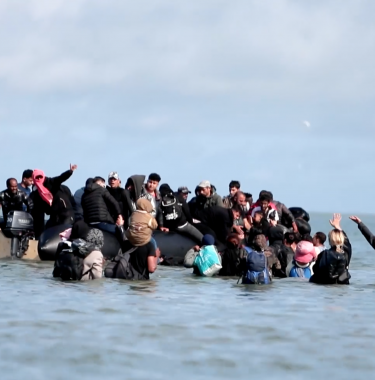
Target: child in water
{"type": "Point", "coordinates": [141, 224]}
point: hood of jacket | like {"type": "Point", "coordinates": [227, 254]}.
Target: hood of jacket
{"type": "Point", "coordinates": [144, 205]}
{"type": "Point", "coordinates": [137, 181]}
{"type": "Point", "coordinates": [165, 189]}
{"type": "Point", "coordinates": [92, 186]}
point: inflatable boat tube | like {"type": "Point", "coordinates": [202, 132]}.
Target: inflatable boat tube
{"type": "Point", "coordinates": [173, 246]}
{"type": "Point", "coordinates": [299, 212]}
{"type": "Point", "coordinates": [303, 227]}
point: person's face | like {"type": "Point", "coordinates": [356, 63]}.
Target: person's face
{"type": "Point", "coordinates": [152, 185]}
{"type": "Point", "coordinates": [205, 191]}
{"type": "Point", "coordinates": [241, 200]}
{"type": "Point", "coordinates": [13, 187]}
{"type": "Point", "coordinates": [113, 182]}
{"type": "Point", "coordinates": [264, 205]}
{"type": "Point", "coordinates": [28, 181]}
{"type": "Point", "coordinates": [232, 191]}
{"type": "Point", "coordinates": [185, 195]}
{"type": "Point", "coordinates": [258, 218]}
{"type": "Point", "coordinates": [315, 241]}
{"type": "Point", "coordinates": [236, 214]}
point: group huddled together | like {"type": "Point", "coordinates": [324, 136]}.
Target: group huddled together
{"type": "Point", "coordinates": [255, 240]}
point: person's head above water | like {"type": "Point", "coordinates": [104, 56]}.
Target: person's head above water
{"type": "Point", "coordinates": [305, 252]}
{"type": "Point", "coordinates": [113, 180]}
{"type": "Point", "coordinates": [319, 239]}
{"type": "Point", "coordinates": [233, 240]}
{"type": "Point", "coordinates": [336, 240]}
{"type": "Point", "coordinates": [27, 178]}
{"type": "Point", "coordinates": [234, 186]}
{"type": "Point", "coordinates": [208, 240]}
{"type": "Point", "coordinates": [12, 185]}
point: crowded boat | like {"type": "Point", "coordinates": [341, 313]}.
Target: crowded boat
{"type": "Point", "coordinates": [106, 229]}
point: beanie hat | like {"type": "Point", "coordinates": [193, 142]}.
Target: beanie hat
{"type": "Point", "coordinates": [208, 240]}
{"type": "Point", "coordinates": [96, 237]}
{"type": "Point", "coordinates": [305, 252]}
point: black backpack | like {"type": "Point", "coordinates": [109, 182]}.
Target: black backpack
{"type": "Point", "coordinates": [120, 266]}
{"type": "Point", "coordinates": [69, 259]}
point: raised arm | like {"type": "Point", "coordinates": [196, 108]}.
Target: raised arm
{"type": "Point", "coordinates": [364, 230]}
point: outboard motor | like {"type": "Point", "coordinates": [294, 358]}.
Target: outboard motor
{"type": "Point", "coordinates": [19, 227]}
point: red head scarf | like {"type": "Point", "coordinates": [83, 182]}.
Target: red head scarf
{"type": "Point", "coordinates": [44, 193]}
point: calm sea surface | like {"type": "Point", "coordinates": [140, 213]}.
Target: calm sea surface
{"type": "Point", "coordinates": [177, 326]}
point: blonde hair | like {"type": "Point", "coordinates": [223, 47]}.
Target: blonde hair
{"type": "Point", "coordinates": [337, 238]}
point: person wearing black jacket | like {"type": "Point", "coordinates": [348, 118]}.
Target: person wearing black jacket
{"type": "Point", "coordinates": [61, 200]}
{"type": "Point", "coordinates": [220, 220]}
{"type": "Point", "coordinates": [13, 199]}
{"type": "Point", "coordinates": [364, 230]}
{"type": "Point", "coordinates": [121, 195]}
{"type": "Point", "coordinates": [174, 214]}
{"type": "Point", "coordinates": [332, 265]}
{"type": "Point", "coordinates": [100, 209]}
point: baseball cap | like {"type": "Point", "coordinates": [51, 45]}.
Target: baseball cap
{"type": "Point", "coordinates": [113, 175]}
{"type": "Point", "coordinates": [184, 190]}
{"type": "Point", "coordinates": [205, 184]}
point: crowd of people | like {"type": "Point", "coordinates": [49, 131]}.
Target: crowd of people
{"type": "Point", "coordinates": [255, 239]}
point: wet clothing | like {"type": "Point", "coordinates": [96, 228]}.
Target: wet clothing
{"type": "Point", "coordinates": [219, 219]}
{"type": "Point", "coordinates": [14, 202]}
{"type": "Point", "coordinates": [122, 197]}
{"type": "Point", "coordinates": [331, 267]}
{"type": "Point", "coordinates": [367, 234]}
{"type": "Point", "coordinates": [98, 205]}
{"type": "Point", "coordinates": [232, 261]}
{"type": "Point", "coordinates": [41, 207]}
{"type": "Point", "coordinates": [138, 260]}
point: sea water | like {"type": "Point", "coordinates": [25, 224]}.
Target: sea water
{"type": "Point", "coordinates": [178, 326]}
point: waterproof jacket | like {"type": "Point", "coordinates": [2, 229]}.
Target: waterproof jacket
{"type": "Point", "coordinates": [331, 267]}
{"type": "Point", "coordinates": [14, 202]}
{"type": "Point", "coordinates": [286, 218]}
{"type": "Point", "coordinates": [98, 205]}
{"type": "Point", "coordinates": [62, 208]}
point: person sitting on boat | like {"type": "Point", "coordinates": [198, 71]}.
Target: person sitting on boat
{"type": "Point", "coordinates": [332, 265]}
{"type": "Point", "coordinates": [151, 193]}
{"type": "Point", "coordinates": [27, 182]}
{"type": "Point", "coordinates": [206, 198]}
{"type": "Point", "coordinates": [100, 209]}
{"type": "Point", "coordinates": [234, 187]}
{"type": "Point", "coordinates": [266, 206]}
{"type": "Point", "coordinates": [51, 199]}
{"type": "Point", "coordinates": [13, 199]}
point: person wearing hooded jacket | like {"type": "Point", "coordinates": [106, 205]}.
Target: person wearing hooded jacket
{"type": "Point", "coordinates": [174, 214]}
{"type": "Point", "coordinates": [49, 198]}
{"type": "Point", "coordinates": [100, 209]}
{"type": "Point", "coordinates": [134, 185]}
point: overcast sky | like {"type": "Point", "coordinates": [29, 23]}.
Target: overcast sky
{"type": "Point", "coordinates": [278, 94]}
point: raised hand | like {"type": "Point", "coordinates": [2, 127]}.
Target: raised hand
{"type": "Point", "coordinates": [73, 167]}
{"type": "Point", "coordinates": [355, 219]}
{"type": "Point", "coordinates": [335, 221]}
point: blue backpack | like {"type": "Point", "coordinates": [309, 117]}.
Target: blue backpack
{"type": "Point", "coordinates": [257, 271]}
{"type": "Point", "coordinates": [297, 271]}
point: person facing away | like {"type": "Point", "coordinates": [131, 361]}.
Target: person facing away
{"type": "Point", "coordinates": [174, 214]}
{"type": "Point", "coordinates": [287, 251]}
{"type": "Point", "coordinates": [13, 199]}
{"type": "Point", "coordinates": [49, 198]}
{"type": "Point", "coordinates": [318, 240]}
{"type": "Point", "coordinates": [141, 224]}
{"type": "Point", "coordinates": [121, 195]}
{"type": "Point", "coordinates": [27, 182]}
{"type": "Point", "coordinates": [189, 260]}
{"type": "Point", "coordinates": [332, 265]}
{"type": "Point", "coordinates": [100, 209]}
{"type": "Point", "coordinates": [302, 264]}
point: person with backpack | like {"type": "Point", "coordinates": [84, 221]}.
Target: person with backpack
{"type": "Point", "coordinates": [332, 265]}
{"type": "Point", "coordinates": [174, 214]}
{"type": "Point", "coordinates": [256, 264]}
{"type": "Point", "coordinates": [80, 258]}
{"type": "Point", "coordinates": [205, 260]}
{"type": "Point", "coordinates": [304, 259]}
